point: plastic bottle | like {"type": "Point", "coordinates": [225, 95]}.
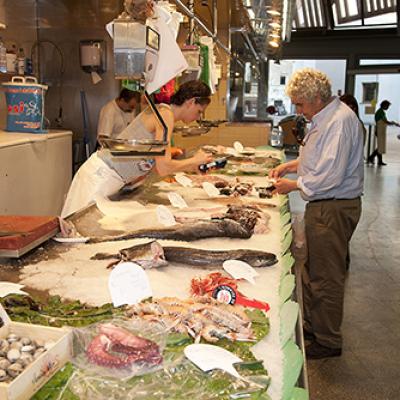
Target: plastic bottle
{"type": "Point", "coordinates": [3, 58]}
{"type": "Point", "coordinates": [21, 61]}
{"type": "Point", "coordinates": [276, 138]}
{"type": "Point", "coordinates": [11, 58]}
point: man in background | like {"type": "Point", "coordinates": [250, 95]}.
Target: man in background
{"type": "Point", "coordinates": [381, 128]}
{"type": "Point", "coordinates": [117, 114]}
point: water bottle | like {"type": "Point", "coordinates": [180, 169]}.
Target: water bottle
{"type": "Point", "coordinates": [21, 61]}
{"type": "Point", "coordinates": [3, 57]}
{"type": "Point", "coordinates": [276, 138]}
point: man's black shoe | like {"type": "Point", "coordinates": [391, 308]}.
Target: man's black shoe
{"type": "Point", "coordinates": [382, 163]}
{"type": "Point", "coordinates": [308, 335]}
{"type": "Point", "coordinates": [316, 351]}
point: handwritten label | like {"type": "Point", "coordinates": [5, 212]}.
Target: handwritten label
{"type": "Point", "coordinates": [208, 357]}
{"type": "Point", "coordinates": [165, 216]}
{"type": "Point", "coordinates": [128, 284]}
{"type": "Point", "coordinates": [177, 200]}
{"type": "Point", "coordinates": [183, 180]}
{"type": "Point", "coordinates": [240, 270]}
{"type": "Point", "coordinates": [210, 189]}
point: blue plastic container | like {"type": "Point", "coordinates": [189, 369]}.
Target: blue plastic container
{"type": "Point", "coordinates": [25, 105]}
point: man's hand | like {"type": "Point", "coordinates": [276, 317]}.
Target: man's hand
{"type": "Point", "coordinates": [284, 186]}
{"type": "Point", "coordinates": [278, 171]}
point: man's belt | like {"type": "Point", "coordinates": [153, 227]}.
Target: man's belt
{"type": "Point", "coordinates": [332, 199]}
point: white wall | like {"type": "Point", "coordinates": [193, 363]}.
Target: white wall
{"type": "Point", "coordinates": [335, 69]}
{"type": "Point", "coordinates": [388, 89]}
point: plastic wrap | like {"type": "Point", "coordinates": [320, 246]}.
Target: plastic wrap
{"type": "Point", "coordinates": [179, 381]}
{"type": "Point", "coordinates": [118, 349]}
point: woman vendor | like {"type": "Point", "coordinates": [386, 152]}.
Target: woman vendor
{"type": "Point", "coordinates": [102, 174]}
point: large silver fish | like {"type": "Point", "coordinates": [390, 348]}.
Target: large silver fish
{"type": "Point", "coordinates": [153, 255]}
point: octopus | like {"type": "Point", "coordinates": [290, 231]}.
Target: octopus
{"type": "Point", "coordinates": [116, 347]}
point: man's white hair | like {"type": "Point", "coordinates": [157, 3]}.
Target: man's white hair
{"type": "Point", "coordinates": [308, 84]}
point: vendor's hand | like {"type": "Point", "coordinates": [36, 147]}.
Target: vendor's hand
{"type": "Point", "coordinates": [278, 171]}
{"type": "Point", "coordinates": [201, 157]}
{"type": "Point", "coordinates": [284, 186]}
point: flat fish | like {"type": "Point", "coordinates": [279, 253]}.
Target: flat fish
{"type": "Point", "coordinates": [147, 255]}
{"type": "Point", "coordinates": [153, 255]}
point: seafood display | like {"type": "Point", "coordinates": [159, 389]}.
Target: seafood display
{"type": "Point", "coordinates": [116, 347]}
{"type": "Point", "coordinates": [16, 353]}
{"type": "Point", "coordinates": [153, 255]}
{"type": "Point", "coordinates": [238, 222]}
{"type": "Point", "coordinates": [203, 318]}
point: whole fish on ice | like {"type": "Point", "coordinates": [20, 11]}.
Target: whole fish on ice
{"type": "Point", "coordinates": [238, 222]}
{"type": "Point", "coordinates": [153, 255]}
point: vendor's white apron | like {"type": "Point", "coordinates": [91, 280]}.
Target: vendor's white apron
{"type": "Point", "coordinates": [381, 136]}
{"type": "Point", "coordinates": [94, 179]}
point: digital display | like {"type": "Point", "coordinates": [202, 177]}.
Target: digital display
{"type": "Point", "coordinates": [153, 39]}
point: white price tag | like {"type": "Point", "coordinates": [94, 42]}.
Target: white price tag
{"type": "Point", "coordinates": [177, 200]}
{"type": "Point", "coordinates": [240, 270]}
{"type": "Point", "coordinates": [210, 189]}
{"type": "Point", "coordinates": [165, 216]}
{"type": "Point", "coordinates": [231, 151]}
{"type": "Point", "coordinates": [208, 357]}
{"type": "Point", "coordinates": [128, 284]}
{"type": "Point", "coordinates": [183, 180]}
{"type": "Point", "coordinates": [238, 147]}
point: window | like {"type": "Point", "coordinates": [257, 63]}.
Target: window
{"type": "Point", "coordinates": [283, 80]}
{"type": "Point", "coordinates": [369, 91]}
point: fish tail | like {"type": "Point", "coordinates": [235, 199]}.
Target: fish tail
{"type": "Point", "coordinates": [104, 256]}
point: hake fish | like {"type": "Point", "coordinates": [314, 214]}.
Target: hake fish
{"type": "Point", "coordinates": [238, 222]}
{"type": "Point", "coordinates": [153, 255]}
{"type": "Point", "coordinates": [215, 258]}
{"type": "Point", "coordinates": [188, 233]}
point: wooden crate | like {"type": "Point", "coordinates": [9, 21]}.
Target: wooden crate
{"type": "Point", "coordinates": [24, 386]}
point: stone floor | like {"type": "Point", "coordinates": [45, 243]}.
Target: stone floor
{"type": "Point", "coordinates": [369, 366]}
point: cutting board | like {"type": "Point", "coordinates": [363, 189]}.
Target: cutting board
{"type": "Point", "coordinates": [21, 233]}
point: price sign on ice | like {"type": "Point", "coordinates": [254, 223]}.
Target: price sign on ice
{"type": "Point", "coordinates": [177, 200]}
{"type": "Point", "coordinates": [240, 270]}
{"type": "Point", "coordinates": [128, 284]}
{"type": "Point", "coordinates": [208, 357]}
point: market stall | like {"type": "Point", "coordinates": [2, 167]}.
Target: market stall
{"type": "Point", "coordinates": [81, 272]}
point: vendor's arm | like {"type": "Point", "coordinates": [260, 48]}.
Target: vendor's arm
{"type": "Point", "coordinates": [283, 169]}
{"type": "Point", "coordinates": [105, 124]}
{"type": "Point", "coordinates": [165, 165]}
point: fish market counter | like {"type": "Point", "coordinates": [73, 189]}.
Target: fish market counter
{"type": "Point", "coordinates": [80, 271]}
{"type": "Point", "coordinates": [35, 172]}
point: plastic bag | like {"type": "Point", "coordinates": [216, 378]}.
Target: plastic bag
{"type": "Point", "coordinates": [118, 348]}
{"type": "Point", "coordinates": [179, 381]}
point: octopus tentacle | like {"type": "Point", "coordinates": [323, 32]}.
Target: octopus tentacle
{"type": "Point", "coordinates": [127, 348]}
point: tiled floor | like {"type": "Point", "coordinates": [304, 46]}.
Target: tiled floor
{"type": "Point", "coordinates": [369, 367]}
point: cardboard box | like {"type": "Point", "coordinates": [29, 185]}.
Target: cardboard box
{"type": "Point", "coordinates": [35, 375]}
